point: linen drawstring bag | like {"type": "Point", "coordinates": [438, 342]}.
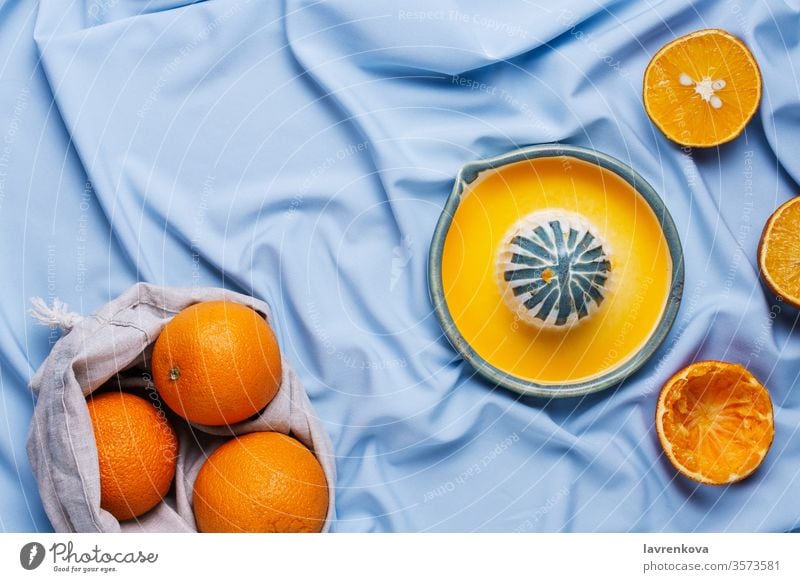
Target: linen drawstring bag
{"type": "Point", "coordinates": [112, 347]}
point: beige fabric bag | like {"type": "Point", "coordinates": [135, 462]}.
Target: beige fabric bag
{"type": "Point", "coordinates": [112, 345]}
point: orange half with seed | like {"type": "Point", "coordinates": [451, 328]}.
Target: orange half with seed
{"type": "Point", "coordinates": [702, 89]}
{"type": "Point", "coordinates": [715, 422]}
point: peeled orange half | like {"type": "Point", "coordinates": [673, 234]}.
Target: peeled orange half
{"type": "Point", "coordinates": [779, 252]}
{"type": "Point", "coordinates": [703, 88]}
{"type": "Point", "coordinates": [715, 422]}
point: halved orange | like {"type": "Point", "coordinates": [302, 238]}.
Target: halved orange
{"type": "Point", "coordinates": [779, 252]}
{"type": "Point", "coordinates": [701, 89]}
{"type": "Point", "coordinates": [714, 421]}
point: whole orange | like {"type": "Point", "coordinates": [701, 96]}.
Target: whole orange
{"type": "Point", "coordinates": [136, 449]}
{"type": "Point", "coordinates": [261, 482]}
{"type": "Point", "coordinates": [217, 363]}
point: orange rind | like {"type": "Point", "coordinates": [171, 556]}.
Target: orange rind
{"type": "Point", "coordinates": [715, 422]}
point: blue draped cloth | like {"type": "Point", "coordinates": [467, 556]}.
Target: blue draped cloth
{"type": "Point", "coordinates": [301, 152]}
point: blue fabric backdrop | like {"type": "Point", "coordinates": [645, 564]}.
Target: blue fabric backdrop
{"type": "Point", "coordinates": [302, 151]}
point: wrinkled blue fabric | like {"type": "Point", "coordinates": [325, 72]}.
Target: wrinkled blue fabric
{"type": "Point", "coordinates": [302, 152]}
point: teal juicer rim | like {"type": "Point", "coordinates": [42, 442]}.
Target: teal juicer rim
{"type": "Point", "coordinates": [466, 176]}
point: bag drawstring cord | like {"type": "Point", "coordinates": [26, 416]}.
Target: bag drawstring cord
{"type": "Point", "coordinates": [58, 315]}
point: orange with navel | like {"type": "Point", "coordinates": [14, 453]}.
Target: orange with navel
{"type": "Point", "coordinates": [702, 89]}
{"type": "Point", "coordinates": [137, 451]}
{"type": "Point", "coordinates": [261, 482]}
{"type": "Point", "coordinates": [217, 363]}
{"type": "Point", "coordinates": [715, 422]}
